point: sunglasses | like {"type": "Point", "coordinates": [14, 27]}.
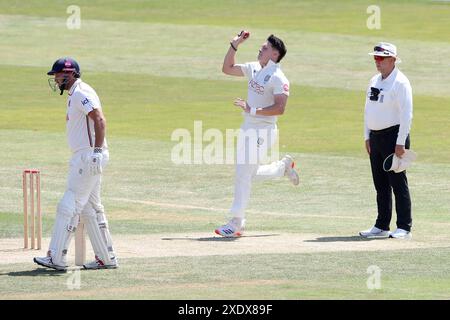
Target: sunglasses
{"type": "Point", "coordinates": [379, 58]}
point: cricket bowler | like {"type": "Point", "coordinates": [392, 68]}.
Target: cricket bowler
{"type": "Point", "coordinates": [268, 92]}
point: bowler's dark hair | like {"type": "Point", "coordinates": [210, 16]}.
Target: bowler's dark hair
{"type": "Point", "coordinates": [277, 44]}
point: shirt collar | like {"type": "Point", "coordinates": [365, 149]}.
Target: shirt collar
{"type": "Point", "coordinates": [74, 85]}
{"type": "Point", "coordinates": [270, 64]}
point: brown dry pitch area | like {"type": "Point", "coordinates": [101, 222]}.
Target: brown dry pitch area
{"type": "Point", "coordinates": [205, 244]}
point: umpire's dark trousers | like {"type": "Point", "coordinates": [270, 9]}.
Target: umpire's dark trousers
{"type": "Point", "coordinates": [382, 144]}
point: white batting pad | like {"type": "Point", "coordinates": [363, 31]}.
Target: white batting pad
{"type": "Point", "coordinates": [65, 224]}
{"type": "Point", "coordinates": [95, 235]}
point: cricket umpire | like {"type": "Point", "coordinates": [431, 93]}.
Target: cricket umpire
{"type": "Point", "coordinates": [387, 123]}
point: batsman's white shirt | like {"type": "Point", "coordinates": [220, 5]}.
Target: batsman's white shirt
{"type": "Point", "coordinates": [263, 84]}
{"type": "Point", "coordinates": [393, 107]}
{"type": "Point", "coordinates": [82, 99]}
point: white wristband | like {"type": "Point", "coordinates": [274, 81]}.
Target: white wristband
{"type": "Point", "coordinates": [252, 111]}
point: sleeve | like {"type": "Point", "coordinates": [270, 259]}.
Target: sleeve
{"type": "Point", "coordinates": [280, 85]}
{"type": "Point", "coordinates": [86, 102]}
{"type": "Point", "coordinates": [405, 101]}
{"type": "Point", "coordinates": [366, 127]}
{"type": "Point", "coordinates": [246, 69]}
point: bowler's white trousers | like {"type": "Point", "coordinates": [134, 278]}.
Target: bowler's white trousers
{"type": "Point", "coordinates": [255, 140]}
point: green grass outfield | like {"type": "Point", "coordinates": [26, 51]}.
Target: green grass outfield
{"type": "Point", "coordinates": [156, 67]}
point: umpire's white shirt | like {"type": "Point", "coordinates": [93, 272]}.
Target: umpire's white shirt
{"type": "Point", "coordinates": [82, 99]}
{"type": "Point", "coordinates": [393, 107]}
{"type": "Point", "coordinates": [263, 84]}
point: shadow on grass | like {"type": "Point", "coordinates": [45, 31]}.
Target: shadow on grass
{"type": "Point", "coordinates": [15, 250]}
{"type": "Point", "coordinates": [221, 239]}
{"type": "Point", "coordinates": [34, 273]}
{"type": "Point", "coordinates": [340, 239]}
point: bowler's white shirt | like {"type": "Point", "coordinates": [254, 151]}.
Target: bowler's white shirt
{"type": "Point", "coordinates": [263, 84]}
{"type": "Point", "coordinates": [82, 99]}
{"type": "Point", "coordinates": [394, 105]}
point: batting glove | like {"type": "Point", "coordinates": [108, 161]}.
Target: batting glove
{"type": "Point", "coordinates": [95, 162]}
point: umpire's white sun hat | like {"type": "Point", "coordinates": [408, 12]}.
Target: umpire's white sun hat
{"type": "Point", "coordinates": [396, 164]}
{"type": "Point", "coordinates": [385, 49]}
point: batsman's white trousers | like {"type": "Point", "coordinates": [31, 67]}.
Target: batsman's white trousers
{"type": "Point", "coordinates": [82, 195]}
{"type": "Point", "coordinates": [85, 186]}
{"type": "Point", "coordinates": [255, 140]}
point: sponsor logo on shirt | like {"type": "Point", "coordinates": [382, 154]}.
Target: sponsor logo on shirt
{"type": "Point", "coordinates": [256, 87]}
{"type": "Point", "coordinates": [85, 101]}
{"type": "Point", "coordinates": [375, 94]}
{"type": "Point", "coordinates": [267, 78]}
{"type": "Point", "coordinates": [286, 87]}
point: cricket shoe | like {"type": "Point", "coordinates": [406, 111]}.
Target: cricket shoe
{"type": "Point", "coordinates": [233, 229]}
{"type": "Point", "coordinates": [374, 233]}
{"type": "Point", "coordinates": [99, 264]}
{"type": "Point", "coordinates": [48, 263]}
{"type": "Point", "coordinates": [290, 172]}
{"type": "Point", "coordinates": [401, 234]}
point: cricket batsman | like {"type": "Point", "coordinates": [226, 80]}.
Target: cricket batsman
{"type": "Point", "coordinates": [268, 92]}
{"type": "Point", "coordinates": [86, 127]}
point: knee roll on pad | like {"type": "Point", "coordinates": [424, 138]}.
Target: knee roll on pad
{"type": "Point", "coordinates": [98, 207]}
{"type": "Point", "coordinates": [101, 218]}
